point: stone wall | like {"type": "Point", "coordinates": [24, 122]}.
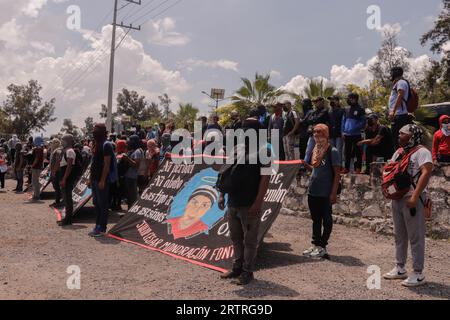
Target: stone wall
{"type": "Point", "coordinates": [362, 204]}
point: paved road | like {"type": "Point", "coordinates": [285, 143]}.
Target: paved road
{"type": "Point", "coordinates": [35, 254]}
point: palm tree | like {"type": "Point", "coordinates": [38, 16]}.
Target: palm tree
{"type": "Point", "coordinates": [255, 93]}
{"type": "Point", "coordinates": [186, 115]}
{"type": "Point", "coordinates": [316, 89]}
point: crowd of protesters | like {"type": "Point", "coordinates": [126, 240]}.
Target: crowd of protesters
{"type": "Point", "coordinates": [328, 140]}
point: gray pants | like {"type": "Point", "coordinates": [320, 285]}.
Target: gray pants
{"type": "Point", "coordinates": [244, 235]}
{"type": "Point", "coordinates": [35, 174]}
{"type": "Point", "coordinates": [409, 230]}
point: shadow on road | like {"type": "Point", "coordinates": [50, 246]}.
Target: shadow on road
{"type": "Point", "coordinates": [276, 246]}
{"type": "Point", "coordinates": [107, 240]}
{"type": "Point", "coordinates": [262, 288]}
{"type": "Point", "coordinates": [87, 215]}
{"type": "Point", "coordinates": [433, 289]}
{"type": "Point", "coordinates": [268, 258]}
{"type": "Point", "coordinates": [347, 261]}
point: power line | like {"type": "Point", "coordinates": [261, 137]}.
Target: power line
{"type": "Point", "coordinates": [138, 10]}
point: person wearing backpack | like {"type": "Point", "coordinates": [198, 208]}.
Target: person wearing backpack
{"type": "Point", "coordinates": [290, 132]}
{"type": "Point", "coordinates": [398, 103]}
{"type": "Point", "coordinates": [413, 165]}
{"type": "Point", "coordinates": [68, 176]}
{"type": "Point", "coordinates": [322, 191]}
{"type": "Point", "coordinates": [103, 173]}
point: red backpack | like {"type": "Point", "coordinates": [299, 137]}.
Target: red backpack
{"type": "Point", "coordinates": [412, 103]}
{"type": "Point", "coordinates": [396, 179]}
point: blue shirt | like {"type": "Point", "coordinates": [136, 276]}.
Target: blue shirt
{"type": "Point", "coordinates": [402, 109]}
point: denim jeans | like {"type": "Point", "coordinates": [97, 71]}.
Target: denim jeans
{"type": "Point", "coordinates": [338, 144]}
{"type": "Point", "coordinates": [309, 149]}
{"type": "Point", "coordinates": [101, 204]}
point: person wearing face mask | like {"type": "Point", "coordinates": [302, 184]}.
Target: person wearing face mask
{"type": "Point", "coordinates": [103, 173]}
{"type": "Point", "coordinates": [353, 123]}
{"type": "Point", "coordinates": [408, 212]}
{"type": "Point", "coordinates": [134, 157]}
{"type": "Point", "coordinates": [441, 141]}
{"type": "Point", "coordinates": [67, 163]}
{"type": "Point", "coordinates": [322, 191]}
{"type": "Point", "coordinates": [378, 141]}
{"type": "Point", "coordinates": [336, 114]}
{"type": "Point", "coordinates": [36, 167]}
{"type": "Point", "coordinates": [19, 165]}
{"type": "Point", "coordinates": [55, 174]}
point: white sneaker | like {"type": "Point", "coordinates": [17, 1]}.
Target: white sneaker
{"type": "Point", "coordinates": [319, 252]}
{"type": "Point", "coordinates": [396, 274]}
{"type": "Point", "coordinates": [414, 280]}
{"type": "Point", "coordinates": [308, 251]}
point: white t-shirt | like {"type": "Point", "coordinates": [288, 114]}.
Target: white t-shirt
{"type": "Point", "coordinates": [402, 109]}
{"type": "Point", "coordinates": [416, 162]}
{"type": "Point", "coordinates": [70, 154]}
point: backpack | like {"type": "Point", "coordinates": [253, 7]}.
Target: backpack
{"type": "Point", "coordinates": [412, 103]}
{"type": "Point", "coordinates": [396, 180]}
{"type": "Point", "coordinates": [77, 166]}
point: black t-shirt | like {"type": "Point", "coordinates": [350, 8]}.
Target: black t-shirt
{"type": "Point", "coordinates": [386, 145]}
{"type": "Point", "coordinates": [98, 160]}
{"type": "Point", "coordinates": [246, 177]}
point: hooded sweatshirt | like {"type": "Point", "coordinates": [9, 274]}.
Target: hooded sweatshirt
{"type": "Point", "coordinates": [353, 121]}
{"type": "Point", "coordinates": [441, 140]}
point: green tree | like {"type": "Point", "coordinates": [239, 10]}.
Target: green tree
{"type": "Point", "coordinates": [24, 111]}
{"type": "Point", "coordinates": [70, 128]}
{"type": "Point", "coordinates": [186, 116]}
{"type": "Point", "coordinates": [256, 92]}
{"type": "Point", "coordinates": [316, 88]}
{"type": "Point", "coordinates": [440, 34]}
{"type": "Point", "coordinates": [89, 125]}
{"type": "Point", "coordinates": [132, 104]}
{"type": "Point", "coordinates": [389, 55]}
{"type": "Point", "coordinates": [165, 103]}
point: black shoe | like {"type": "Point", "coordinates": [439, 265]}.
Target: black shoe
{"type": "Point", "coordinates": [244, 279]}
{"type": "Point", "coordinates": [232, 274]}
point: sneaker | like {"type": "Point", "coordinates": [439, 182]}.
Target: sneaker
{"type": "Point", "coordinates": [232, 274]}
{"type": "Point", "coordinates": [308, 251]}
{"type": "Point", "coordinates": [96, 233]}
{"type": "Point", "coordinates": [414, 280]}
{"type": "Point", "coordinates": [319, 252]}
{"type": "Point", "coordinates": [244, 279]}
{"type": "Point", "coordinates": [396, 274]}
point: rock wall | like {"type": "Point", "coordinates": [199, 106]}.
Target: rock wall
{"type": "Point", "coordinates": [362, 204]}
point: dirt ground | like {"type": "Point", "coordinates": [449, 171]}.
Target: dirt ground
{"type": "Point", "coordinates": [35, 254]}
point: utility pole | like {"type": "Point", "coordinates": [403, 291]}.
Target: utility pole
{"type": "Point", "coordinates": [111, 62]}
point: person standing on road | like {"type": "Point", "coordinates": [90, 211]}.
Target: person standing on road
{"type": "Point", "coordinates": [3, 167]}
{"type": "Point", "coordinates": [67, 164]}
{"type": "Point", "coordinates": [19, 167]}
{"type": "Point", "coordinates": [12, 147]}
{"type": "Point", "coordinates": [55, 174]}
{"type": "Point", "coordinates": [245, 198]}
{"type": "Point", "coordinates": [134, 157]}
{"type": "Point", "coordinates": [323, 189]}
{"type": "Point", "coordinates": [101, 177]}
{"type": "Point", "coordinates": [408, 212]}
{"type": "Point", "coordinates": [37, 166]}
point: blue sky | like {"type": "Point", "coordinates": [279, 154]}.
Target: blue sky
{"type": "Point", "coordinates": [198, 44]}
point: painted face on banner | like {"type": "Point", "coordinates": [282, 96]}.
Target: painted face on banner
{"type": "Point", "coordinates": [195, 209]}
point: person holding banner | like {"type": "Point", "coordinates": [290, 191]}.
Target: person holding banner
{"type": "Point", "coordinates": [247, 187]}
{"type": "Point", "coordinates": [67, 183]}
{"type": "Point", "coordinates": [323, 190]}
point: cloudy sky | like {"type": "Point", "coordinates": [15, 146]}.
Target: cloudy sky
{"type": "Point", "coordinates": [189, 46]}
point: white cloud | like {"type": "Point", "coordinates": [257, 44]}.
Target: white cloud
{"type": "Point", "coordinates": [358, 74]}
{"type": "Point", "coordinates": [161, 32]}
{"type": "Point", "coordinates": [190, 64]}
{"type": "Point", "coordinates": [274, 74]}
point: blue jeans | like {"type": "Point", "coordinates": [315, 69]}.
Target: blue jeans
{"type": "Point", "coordinates": [101, 204]}
{"type": "Point", "coordinates": [338, 144]}
{"type": "Point", "coordinates": [309, 149]}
